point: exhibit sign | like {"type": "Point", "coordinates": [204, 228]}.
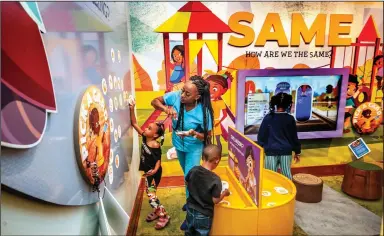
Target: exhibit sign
{"type": "Point", "coordinates": [359, 148]}
{"type": "Point", "coordinates": [248, 164]}
{"type": "Point", "coordinates": [92, 135]}
{"type": "Point", "coordinates": [257, 107]}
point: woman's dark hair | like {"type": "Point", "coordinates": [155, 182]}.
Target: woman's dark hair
{"type": "Point", "coordinates": [249, 152]}
{"type": "Point", "coordinates": [179, 48]}
{"type": "Point", "coordinates": [377, 58]}
{"type": "Point", "coordinates": [280, 100]}
{"type": "Point", "coordinates": [205, 100]}
{"type": "Point", "coordinates": [160, 132]}
{"type": "Point", "coordinates": [223, 80]}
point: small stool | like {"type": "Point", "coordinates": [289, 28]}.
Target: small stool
{"type": "Point", "coordinates": [362, 180]}
{"type": "Point", "coordinates": [309, 188]}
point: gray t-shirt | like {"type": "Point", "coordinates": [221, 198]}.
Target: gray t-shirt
{"type": "Point", "coordinates": [202, 185]}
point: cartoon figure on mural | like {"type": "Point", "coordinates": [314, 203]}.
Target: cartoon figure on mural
{"type": "Point", "coordinates": [99, 142]}
{"type": "Point", "coordinates": [353, 91]}
{"type": "Point", "coordinates": [218, 87]}
{"type": "Point", "coordinates": [250, 180]}
{"type": "Point", "coordinates": [177, 64]}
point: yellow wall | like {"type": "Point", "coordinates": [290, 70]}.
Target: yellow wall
{"type": "Point", "coordinates": [144, 98]}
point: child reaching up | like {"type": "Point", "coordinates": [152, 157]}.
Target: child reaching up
{"type": "Point", "coordinates": [150, 163]}
{"type": "Point", "coordinates": [204, 188]}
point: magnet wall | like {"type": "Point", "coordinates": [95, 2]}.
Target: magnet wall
{"type": "Point", "coordinates": [78, 42]}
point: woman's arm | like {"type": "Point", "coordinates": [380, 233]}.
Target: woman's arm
{"type": "Point", "coordinates": [160, 104]}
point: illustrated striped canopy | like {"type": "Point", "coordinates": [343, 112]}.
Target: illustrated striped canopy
{"type": "Point", "coordinates": [193, 17]}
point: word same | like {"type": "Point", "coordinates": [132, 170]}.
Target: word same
{"type": "Point", "coordinates": [339, 25]}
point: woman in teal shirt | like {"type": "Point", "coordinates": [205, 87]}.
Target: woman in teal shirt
{"type": "Point", "coordinates": [192, 112]}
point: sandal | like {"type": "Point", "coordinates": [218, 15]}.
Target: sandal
{"type": "Point", "coordinates": [162, 222]}
{"type": "Point", "coordinates": [151, 217]}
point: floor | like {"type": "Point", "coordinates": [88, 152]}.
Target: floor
{"type": "Point", "coordinates": [337, 214]}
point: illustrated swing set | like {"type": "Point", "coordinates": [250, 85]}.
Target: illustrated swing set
{"type": "Point", "coordinates": [368, 39]}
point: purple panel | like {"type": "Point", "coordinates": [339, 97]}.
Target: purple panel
{"type": "Point", "coordinates": [343, 72]}
{"type": "Point", "coordinates": [238, 145]}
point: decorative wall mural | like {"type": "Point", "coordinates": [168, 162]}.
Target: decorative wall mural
{"type": "Point", "coordinates": [367, 118]}
{"type": "Point", "coordinates": [92, 136]}
{"type": "Point", "coordinates": [27, 90]}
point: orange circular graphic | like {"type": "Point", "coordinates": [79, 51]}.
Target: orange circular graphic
{"type": "Point", "coordinates": [367, 118]}
{"type": "Point", "coordinates": [93, 135]}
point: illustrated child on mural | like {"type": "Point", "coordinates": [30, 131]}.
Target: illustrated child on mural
{"type": "Point", "coordinates": [150, 163]}
{"type": "Point", "coordinates": [177, 64]}
{"type": "Point", "coordinates": [218, 87]}
{"type": "Point", "coordinates": [278, 135]}
{"type": "Point", "coordinates": [205, 188]}
{"type": "Point", "coordinates": [250, 180]}
{"type": "Point", "coordinates": [353, 91]}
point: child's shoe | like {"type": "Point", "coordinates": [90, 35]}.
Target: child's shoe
{"type": "Point", "coordinates": [162, 222]}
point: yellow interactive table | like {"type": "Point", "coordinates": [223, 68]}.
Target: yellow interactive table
{"type": "Point", "coordinates": [238, 215]}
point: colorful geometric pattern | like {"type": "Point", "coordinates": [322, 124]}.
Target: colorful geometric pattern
{"type": "Point", "coordinates": [193, 18]}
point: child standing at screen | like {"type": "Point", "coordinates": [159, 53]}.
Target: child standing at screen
{"type": "Point", "coordinates": [150, 163]}
{"type": "Point", "coordinates": [278, 135]}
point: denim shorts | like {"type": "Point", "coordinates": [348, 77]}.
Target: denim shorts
{"type": "Point", "coordinates": [197, 223]}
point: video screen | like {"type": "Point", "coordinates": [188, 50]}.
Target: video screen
{"type": "Point", "coordinates": [315, 100]}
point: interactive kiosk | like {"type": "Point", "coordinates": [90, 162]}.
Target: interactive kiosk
{"type": "Point", "coordinates": [258, 197]}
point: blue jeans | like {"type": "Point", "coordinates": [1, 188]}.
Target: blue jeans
{"type": "Point", "coordinates": [188, 160]}
{"type": "Point", "coordinates": [197, 223]}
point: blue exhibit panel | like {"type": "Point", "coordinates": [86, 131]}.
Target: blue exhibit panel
{"type": "Point", "coordinates": [304, 97]}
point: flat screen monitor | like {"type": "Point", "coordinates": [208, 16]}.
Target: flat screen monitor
{"type": "Point", "coordinates": [319, 97]}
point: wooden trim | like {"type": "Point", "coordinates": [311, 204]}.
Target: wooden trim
{"type": "Point", "coordinates": [186, 56]}
{"type": "Point", "coordinates": [135, 214]}
{"type": "Point", "coordinates": [200, 57]}
{"type": "Point", "coordinates": [220, 51]}
{"type": "Point", "coordinates": [167, 59]}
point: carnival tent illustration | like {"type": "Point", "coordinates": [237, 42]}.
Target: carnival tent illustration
{"type": "Point", "coordinates": [26, 86]}
{"type": "Point", "coordinates": [194, 18]}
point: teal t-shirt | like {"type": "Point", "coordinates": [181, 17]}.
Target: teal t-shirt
{"type": "Point", "coordinates": [193, 119]}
